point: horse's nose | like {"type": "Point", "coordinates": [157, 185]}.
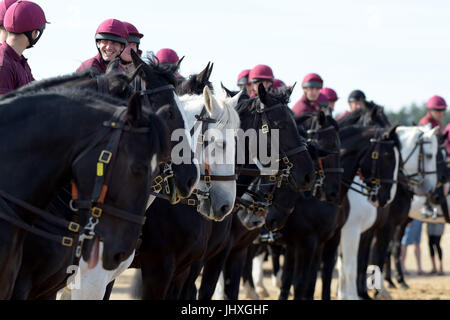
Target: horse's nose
{"type": "Point", "coordinates": [225, 209]}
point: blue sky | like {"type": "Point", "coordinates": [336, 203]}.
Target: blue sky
{"type": "Point", "coordinates": [397, 52]}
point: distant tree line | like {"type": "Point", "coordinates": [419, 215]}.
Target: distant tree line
{"type": "Point", "coordinates": [409, 115]}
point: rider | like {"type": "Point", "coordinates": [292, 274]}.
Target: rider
{"type": "Point", "coordinates": [25, 22]}
{"type": "Point", "coordinates": [242, 81]}
{"type": "Point", "coordinates": [356, 100]}
{"type": "Point", "coordinates": [134, 37]}
{"type": "Point", "coordinates": [436, 106]}
{"type": "Point", "coordinates": [4, 5]}
{"type": "Point", "coordinates": [111, 39]}
{"type": "Point", "coordinates": [278, 85]}
{"type": "Point", "coordinates": [322, 102]}
{"type": "Point", "coordinates": [168, 57]}
{"type": "Point", "coordinates": [331, 96]}
{"type": "Point", "coordinates": [260, 74]}
{"type": "Point", "coordinates": [311, 84]}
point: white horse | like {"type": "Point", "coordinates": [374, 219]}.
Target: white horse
{"type": "Point", "coordinates": [363, 214]}
{"type": "Point", "coordinates": [93, 280]}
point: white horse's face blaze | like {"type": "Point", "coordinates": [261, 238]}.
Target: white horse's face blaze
{"type": "Point", "coordinates": [409, 137]}
{"type": "Point", "coordinates": [217, 156]}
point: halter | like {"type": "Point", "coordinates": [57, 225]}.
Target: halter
{"type": "Point", "coordinates": [262, 113]}
{"type": "Point", "coordinates": [95, 205]}
{"type": "Point", "coordinates": [372, 184]}
{"type": "Point", "coordinates": [321, 171]}
{"type": "Point", "coordinates": [207, 177]}
{"type": "Point", "coordinates": [421, 165]}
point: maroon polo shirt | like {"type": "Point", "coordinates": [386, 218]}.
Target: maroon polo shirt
{"type": "Point", "coordinates": [429, 119]}
{"type": "Point", "coordinates": [14, 70]}
{"type": "Point", "coordinates": [304, 106]}
{"type": "Point", "coordinates": [96, 63]}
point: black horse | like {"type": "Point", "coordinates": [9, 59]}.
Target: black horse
{"type": "Point", "coordinates": [184, 258]}
{"type": "Point", "coordinates": [42, 280]}
{"type": "Point", "coordinates": [75, 135]}
{"type": "Point", "coordinates": [315, 223]}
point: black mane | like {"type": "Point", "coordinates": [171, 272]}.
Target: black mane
{"type": "Point", "coordinates": [44, 84]}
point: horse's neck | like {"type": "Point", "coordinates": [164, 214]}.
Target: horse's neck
{"type": "Point", "coordinates": [39, 143]}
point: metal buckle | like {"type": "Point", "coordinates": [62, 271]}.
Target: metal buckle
{"type": "Point", "coordinates": [376, 181]}
{"type": "Point", "coordinates": [96, 212]}
{"type": "Point", "coordinates": [321, 173]}
{"type": "Point", "coordinates": [158, 180]}
{"type": "Point", "coordinates": [192, 202]}
{"type": "Point", "coordinates": [157, 188]}
{"type": "Point", "coordinates": [273, 178]}
{"type": "Point", "coordinates": [268, 197]}
{"type": "Point", "coordinates": [265, 129]}
{"type": "Point", "coordinates": [67, 242]}
{"type": "Point", "coordinates": [73, 226]}
{"type": "Point", "coordinates": [207, 179]}
{"type": "Point", "coordinates": [286, 160]}
{"type": "Point", "coordinates": [375, 155]}
{"type": "Point", "coordinates": [107, 154]}
{"type": "Point", "coordinates": [200, 139]}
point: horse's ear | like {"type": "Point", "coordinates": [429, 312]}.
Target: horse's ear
{"type": "Point", "coordinates": [137, 61]}
{"type": "Point", "coordinates": [113, 65]}
{"type": "Point", "coordinates": [134, 74]}
{"type": "Point", "coordinates": [202, 77]}
{"type": "Point", "coordinates": [321, 119]}
{"type": "Point", "coordinates": [210, 101]}
{"type": "Point", "coordinates": [262, 93]}
{"type": "Point", "coordinates": [227, 91]}
{"type": "Point", "coordinates": [444, 137]}
{"type": "Point", "coordinates": [179, 63]}
{"type": "Point", "coordinates": [390, 134]}
{"type": "Point", "coordinates": [290, 89]}
{"type": "Point", "coordinates": [134, 113]}
{"type": "Point", "coordinates": [232, 102]}
{"type": "Point", "coordinates": [373, 113]}
{"type": "Point", "coordinates": [210, 71]}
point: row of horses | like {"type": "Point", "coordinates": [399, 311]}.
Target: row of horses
{"type": "Point", "coordinates": [91, 182]}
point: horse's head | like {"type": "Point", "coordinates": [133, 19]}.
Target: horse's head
{"type": "Point", "coordinates": [441, 158]}
{"type": "Point", "coordinates": [197, 82]}
{"type": "Point", "coordinates": [114, 175]}
{"type": "Point", "coordinates": [216, 137]}
{"type": "Point", "coordinates": [323, 137]}
{"type": "Point", "coordinates": [273, 119]}
{"type": "Point", "coordinates": [379, 166]}
{"type": "Point", "coordinates": [158, 90]}
{"type": "Point", "coordinates": [419, 154]}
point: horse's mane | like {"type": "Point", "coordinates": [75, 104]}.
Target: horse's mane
{"type": "Point", "coordinates": [161, 70]}
{"type": "Point", "coordinates": [36, 86]}
{"type": "Point", "coordinates": [249, 105]}
{"type": "Point", "coordinates": [81, 94]}
{"type": "Point", "coordinates": [299, 120]}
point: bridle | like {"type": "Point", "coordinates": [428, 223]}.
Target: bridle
{"type": "Point", "coordinates": [104, 170]}
{"type": "Point", "coordinates": [372, 184]}
{"type": "Point", "coordinates": [314, 136]}
{"type": "Point", "coordinates": [421, 173]}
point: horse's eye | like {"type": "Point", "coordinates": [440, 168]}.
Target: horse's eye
{"type": "Point", "coordinates": [429, 156]}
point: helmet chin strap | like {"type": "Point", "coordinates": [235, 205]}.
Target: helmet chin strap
{"type": "Point", "coordinates": [29, 35]}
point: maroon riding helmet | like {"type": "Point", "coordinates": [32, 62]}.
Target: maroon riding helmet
{"type": "Point", "coordinates": [25, 17]}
